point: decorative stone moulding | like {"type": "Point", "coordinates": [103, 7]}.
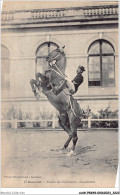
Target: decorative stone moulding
{"type": "Point", "coordinates": [47, 14]}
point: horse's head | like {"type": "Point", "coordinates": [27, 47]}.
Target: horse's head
{"type": "Point", "coordinates": [57, 54]}
{"type": "Point", "coordinates": [57, 63]}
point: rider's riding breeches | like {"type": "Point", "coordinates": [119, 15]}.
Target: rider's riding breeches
{"type": "Point", "coordinates": [70, 86]}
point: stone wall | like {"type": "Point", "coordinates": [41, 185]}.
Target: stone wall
{"type": "Point", "coordinates": [23, 55]}
{"type": "Point", "coordinates": [24, 31]}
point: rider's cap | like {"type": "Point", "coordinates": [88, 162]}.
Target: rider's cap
{"type": "Point", "coordinates": [81, 67]}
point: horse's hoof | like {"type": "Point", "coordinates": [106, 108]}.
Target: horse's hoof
{"type": "Point", "coordinates": [70, 153]}
{"type": "Point", "coordinates": [63, 148]}
{"type": "Point", "coordinates": [37, 96]}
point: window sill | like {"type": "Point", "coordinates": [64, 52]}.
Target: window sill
{"type": "Point", "coordinates": [101, 86]}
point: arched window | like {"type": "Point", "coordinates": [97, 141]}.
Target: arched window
{"type": "Point", "coordinates": [42, 52]}
{"type": "Point", "coordinates": [101, 64]}
{"type": "Point", "coordinates": [5, 68]}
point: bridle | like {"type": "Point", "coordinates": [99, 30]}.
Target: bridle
{"type": "Point", "coordinates": [55, 65]}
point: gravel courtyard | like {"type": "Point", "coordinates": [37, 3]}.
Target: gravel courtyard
{"type": "Point", "coordinates": [33, 158]}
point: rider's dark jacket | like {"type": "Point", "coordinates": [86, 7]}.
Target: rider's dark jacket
{"type": "Point", "coordinates": [78, 80]}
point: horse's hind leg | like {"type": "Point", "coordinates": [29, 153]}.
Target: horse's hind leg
{"type": "Point", "coordinates": [64, 123]}
{"type": "Point", "coordinates": [68, 141]}
{"type": "Point", "coordinates": [33, 83]}
{"type": "Point", "coordinates": [74, 121]}
{"type": "Point", "coordinates": [74, 138]}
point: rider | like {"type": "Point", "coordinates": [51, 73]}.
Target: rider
{"type": "Point", "coordinates": [71, 85]}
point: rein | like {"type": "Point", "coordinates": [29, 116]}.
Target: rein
{"type": "Point", "coordinates": [59, 71]}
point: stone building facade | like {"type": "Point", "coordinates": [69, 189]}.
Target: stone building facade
{"type": "Point", "coordinates": [90, 36]}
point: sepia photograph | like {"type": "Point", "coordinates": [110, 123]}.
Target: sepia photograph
{"type": "Point", "coordinates": [59, 94]}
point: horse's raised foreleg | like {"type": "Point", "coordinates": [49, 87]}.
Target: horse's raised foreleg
{"type": "Point", "coordinates": [33, 83]}
{"type": "Point", "coordinates": [65, 124]}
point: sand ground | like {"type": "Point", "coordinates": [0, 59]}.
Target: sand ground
{"type": "Point", "coordinates": [33, 158]}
